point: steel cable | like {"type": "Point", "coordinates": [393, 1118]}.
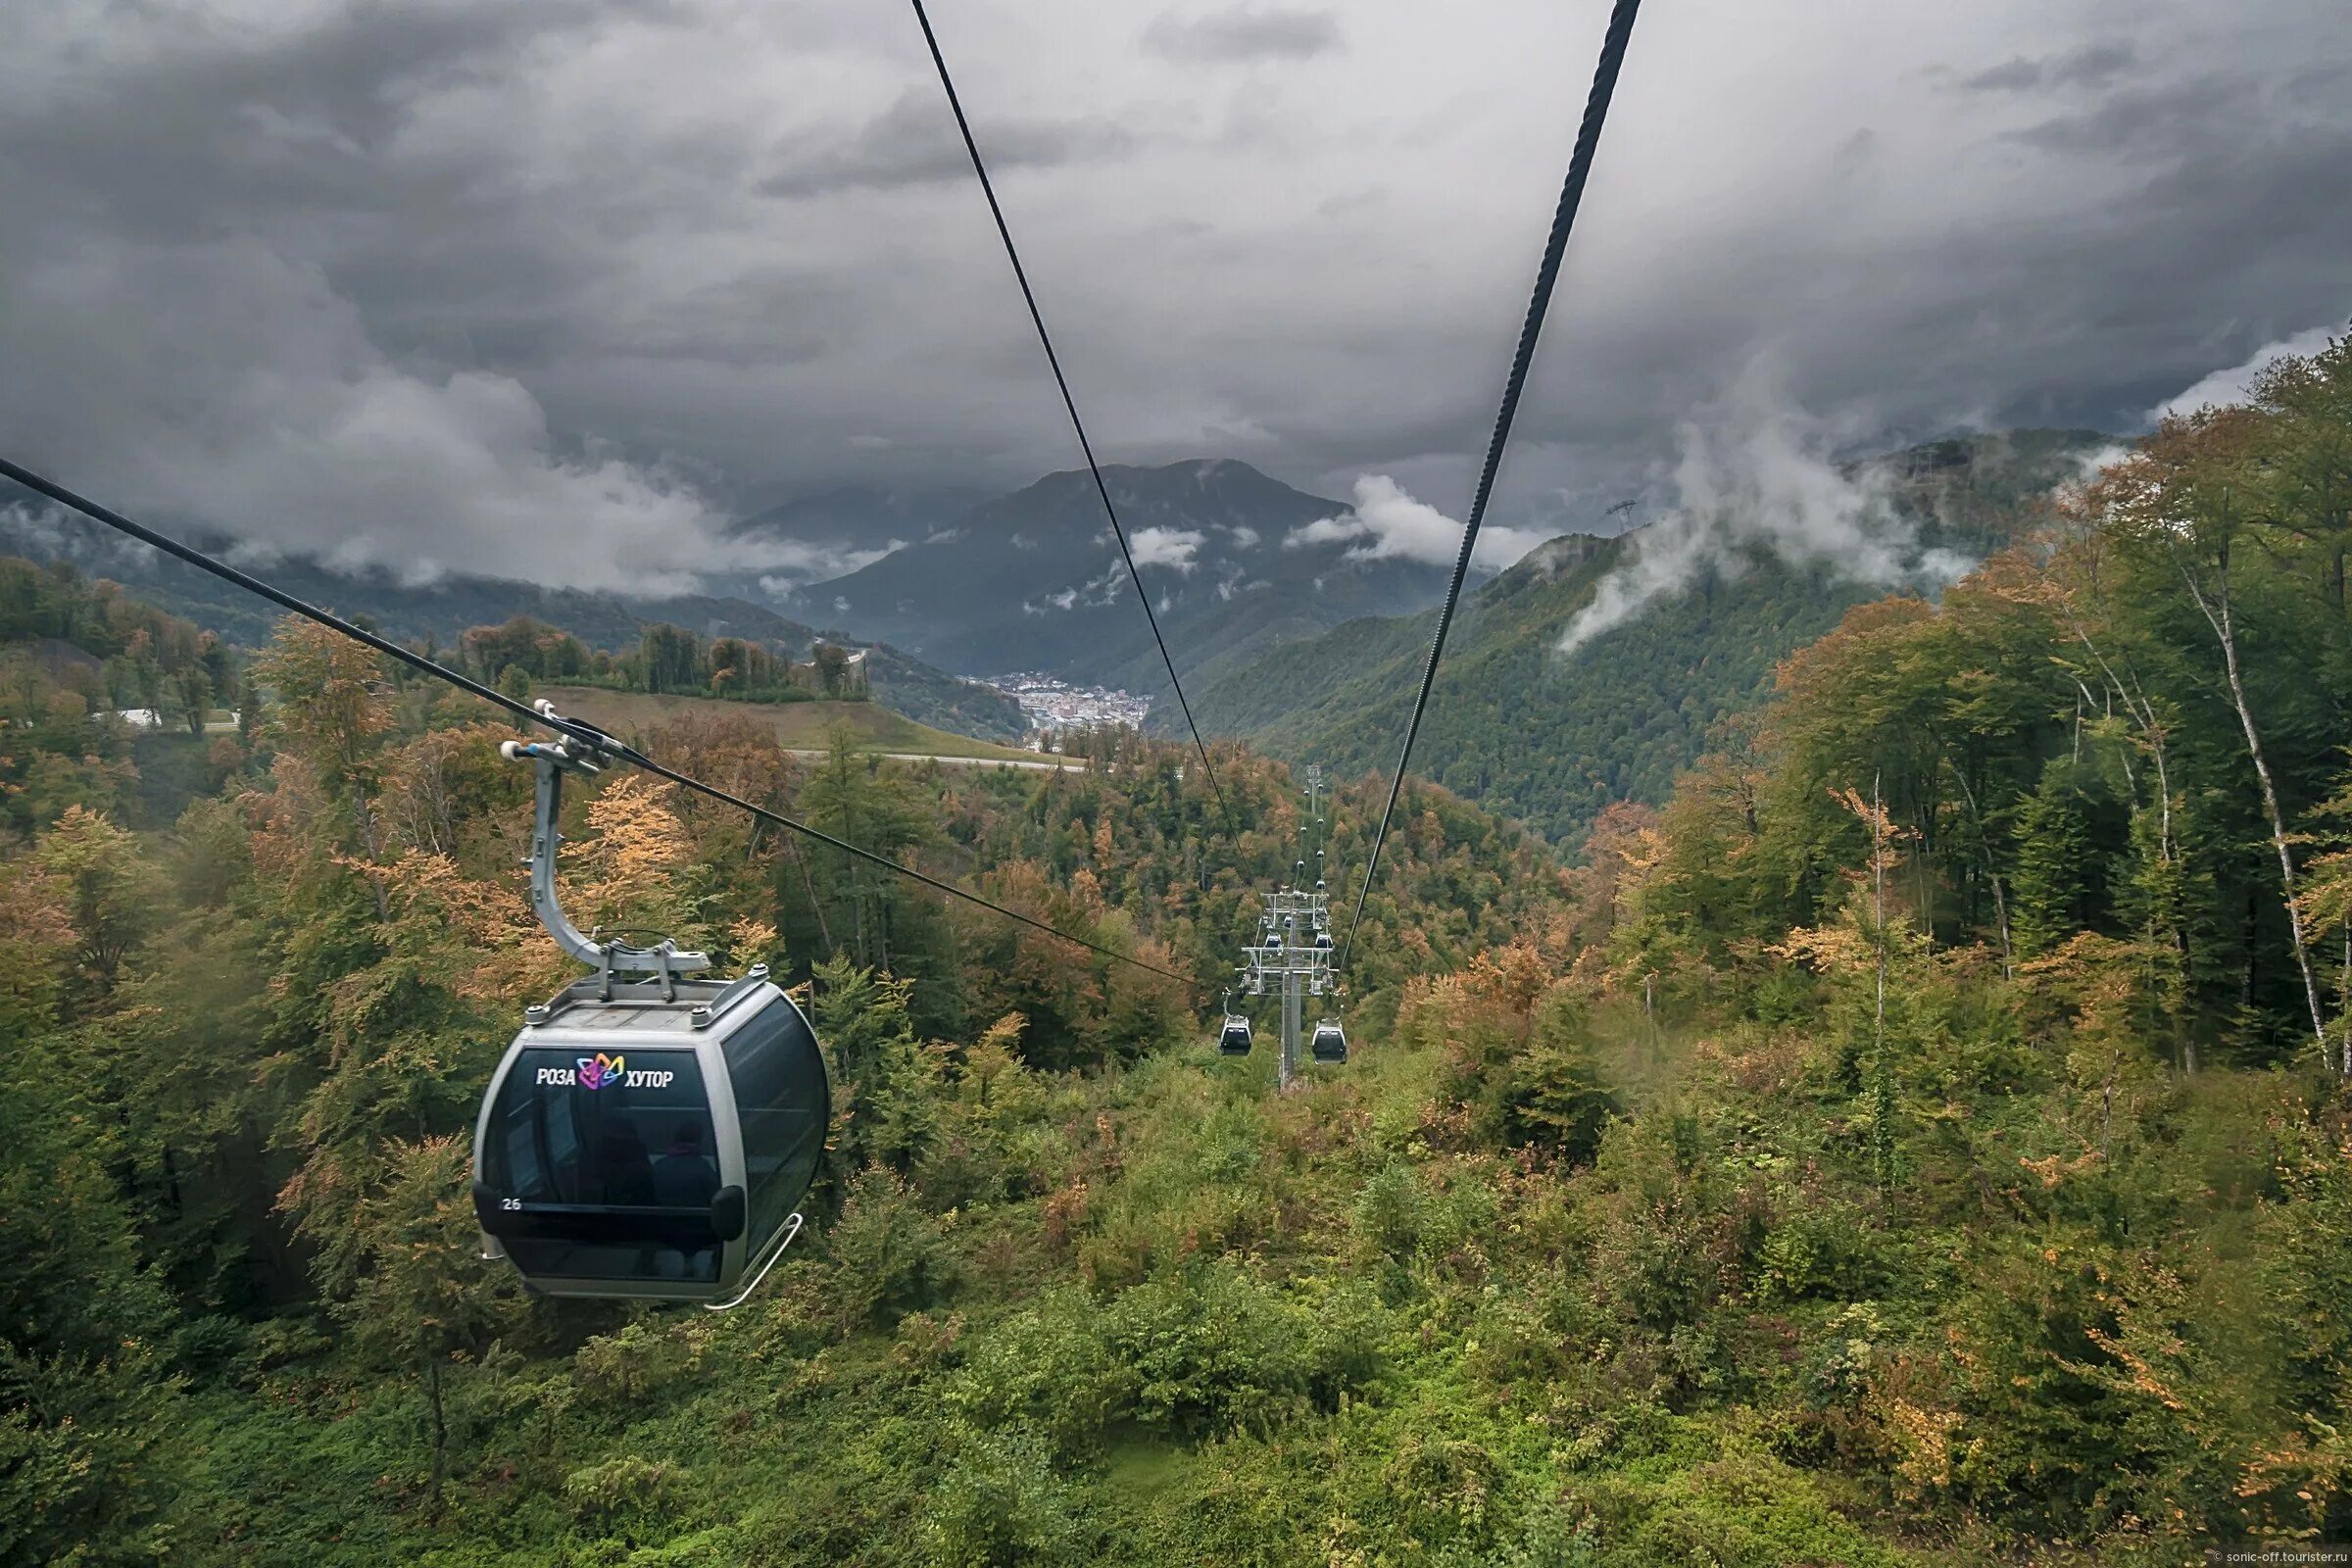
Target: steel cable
{"type": "Point", "coordinates": [1571, 191]}
{"type": "Point", "coordinates": [1037, 317]}
{"type": "Point", "coordinates": [587, 734]}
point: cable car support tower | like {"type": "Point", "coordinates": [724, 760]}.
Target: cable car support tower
{"type": "Point", "coordinates": [1286, 958]}
{"type": "Point", "coordinates": [1291, 954]}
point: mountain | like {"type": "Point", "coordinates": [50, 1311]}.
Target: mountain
{"type": "Point", "coordinates": [438, 613]}
{"type": "Point", "coordinates": [856, 517]}
{"type": "Point", "coordinates": [1551, 737]}
{"type": "Point", "coordinates": [815, 537]}
{"type": "Point", "coordinates": [1032, 580]}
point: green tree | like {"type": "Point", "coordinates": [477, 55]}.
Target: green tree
{"type": "Point", "coordinates": [424, 1301]}
{"type": "Point", "coordinates": [857, 800]}
{"type": "Point", "coordinates": [329, 713]}
{"type": "Point", "coordinates": [111, 892]}
{"type": "Point", "coordinates": [2053, 855]}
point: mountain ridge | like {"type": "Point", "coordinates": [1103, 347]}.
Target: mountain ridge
{"type": "Point", "coordinates": [1034, 580]}
{"type": "Point", "coordinates": [1554, 739]}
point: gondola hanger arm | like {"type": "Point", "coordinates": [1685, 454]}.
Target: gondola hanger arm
{"type": "Point", "coordinates": [574, 753]}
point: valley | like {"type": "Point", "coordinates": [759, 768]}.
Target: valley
{"type": "Point", "coordinates": [1033, 579]}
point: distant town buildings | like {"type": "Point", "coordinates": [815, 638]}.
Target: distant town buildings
{"type": "Point", "coordinates": [1054, 707]}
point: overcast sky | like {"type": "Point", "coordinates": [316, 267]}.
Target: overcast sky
{"type": "Point", "coordinates": [553, 286]}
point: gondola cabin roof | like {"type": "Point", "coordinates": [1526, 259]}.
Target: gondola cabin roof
{"type": "Point", "coordinates": [690, 1008]}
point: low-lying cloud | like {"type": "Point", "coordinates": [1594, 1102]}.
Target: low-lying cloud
{"type": "Point", "coordinates": [1388, 524]}
{"type": "Point", "coordinates": [2231, 385]}
{"type": "Point", "coordinates": [1167, 547]}
{"type": "Point", "coordinates": [792, 565]}
{"type": "Point", "coordinates": [1754, 476]}
{"type": "Point", "coordinates": [1093, 593]}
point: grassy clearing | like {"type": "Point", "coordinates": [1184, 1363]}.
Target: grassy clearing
{"type": "Point", "coordinates": [800, 726]}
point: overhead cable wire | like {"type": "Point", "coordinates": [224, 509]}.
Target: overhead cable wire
{"type": "Point", "coordinates": [573, 729]}
{"type": "Point", "coordinates": [1563, 219]}
{"type": "Point", "coordinates": [1037, 317]}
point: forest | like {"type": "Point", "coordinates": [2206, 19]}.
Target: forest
{"type": "Point", "coordinates": [521, 653]}
{"type": "Point", "coordinates": [1923, 1138]}
{"type": "Point", "coordinates": [666, 658]}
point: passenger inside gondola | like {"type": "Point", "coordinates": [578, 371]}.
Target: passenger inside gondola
{"type": "Point", "coordinates": [625, 1171]}
{"type": "Point", "coordinates": [685, 1177]}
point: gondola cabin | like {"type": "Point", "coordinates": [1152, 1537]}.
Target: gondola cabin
{"type": "Point", "coordinates": [648, 1133]}
{"type": "Point", "coordinates": [1329, 1042]}
{"type": "Point", "coordinates": [1234, 1038]}
{"type": "Point", "coordinates": [652, 1147]}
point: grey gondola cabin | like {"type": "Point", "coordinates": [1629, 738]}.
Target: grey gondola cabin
{"type": "Point", "coordinates": [648, 1133]}
{"type": "Point", "coordinates": [1329, 1042]}
{"type": "Point", "coordinates": [1234, 1038]}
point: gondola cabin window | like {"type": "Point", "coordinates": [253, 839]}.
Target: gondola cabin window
{"type": "Point", "coordinates": [777, 1075]}
{"type": "Point", "coordinates": [628, 1132]}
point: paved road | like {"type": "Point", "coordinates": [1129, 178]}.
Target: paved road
{"type": "Point", "coordinates": [1042, 764]}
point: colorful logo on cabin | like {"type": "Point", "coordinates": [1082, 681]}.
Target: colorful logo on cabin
{"type": "Point", "coordinates": [599, 1070]}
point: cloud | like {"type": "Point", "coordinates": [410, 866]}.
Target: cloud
{"type": "Point", "coordinates": [1243, 33]}
{"type": "Point", "coordinates": [1753, 475]}
{"type": "Point", "coordinates": [2233, 385]}
{"type": "Point", "coordinates": [2093, 65]}
{"type": "Point", "coordinates": [1093, 593]}
{"type": "Point", "coordinates": [794, 564]}
{"type": "Point", "coordinates": [1167, 547]}
{"type": "Point", "coordinates": [1244, 537]}
{"type": "Point", "coordinates": [305, 435]}
{"type": "Point", "coordinates": [730, 250]}
{"type": "Point", "coordinates": [913, 142]}
{"type": "Point", "coordinates": [1388, 524]}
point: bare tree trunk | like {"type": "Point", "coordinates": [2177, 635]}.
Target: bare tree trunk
{"type": "Point", "coordinates": [801, 859]}
{"type": "Point", "coordinates": [1878, 871]}
{"type": "Point", "coordinates": [2000, 902]}
{"type": "Point", "coordinates": [1882, 1070]}
{"type": "Point", "coordinates": [2218, 615]}
{"type": "Point", "coordinates": [370, 841]}
{"type": "Point", "coordinates": [1649, 1013]}
{"type": "Point", "coordinates": [2167, 852]}
{"type": "Point", "coordinates": [2143, 714]}
{"type": "Point", "coordinates": [2343, 996]}
{"type": "Point", "coordinates": [2168, 856]}
{"type": "Point", "coordinates": [432, 1383]}
{"type": "Point", "coordinates": [2107, 1109]}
